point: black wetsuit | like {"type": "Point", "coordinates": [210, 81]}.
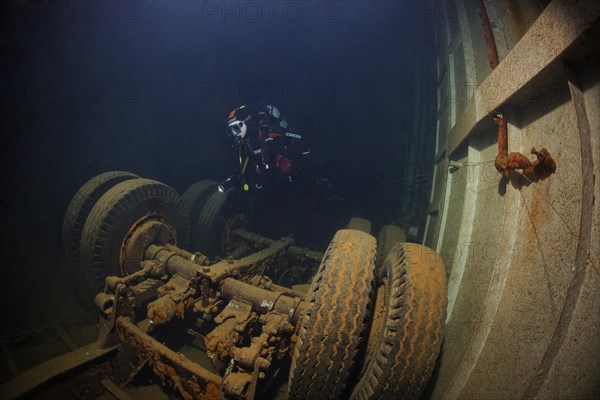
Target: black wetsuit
{"type": "Point", "coordinates": [270, 154]}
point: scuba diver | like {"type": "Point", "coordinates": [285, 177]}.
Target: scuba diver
{"type": "Point", "coordinates": [268, 153]}
{"type": "Point", "coordinates": [273, 170]}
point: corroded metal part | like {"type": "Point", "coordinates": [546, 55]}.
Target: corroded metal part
{"type": "Point", "coordinates": [534, 170]}
{"type": "Point", "coordinates": [148, 268]}
{"type": "Point", "coordinates": [488, 34]}
{"type": "Point", "coordinates": [294, 252]}
{"type": "Point", "coordinates": [144, 291]}
{"type": "Point", "coordinates": [268, 259]}
{"type": "Point", "coordinates": [236, 384]}
{"type": "Point", "coordinates": [189, 378]}
{"type": "Point", "coordinates": [300, 253]}
{"type": "Point", "coordinates": [177, 296]}
{"type": "Point", "coordinates": [232, 322]}
{"type": "Point", "coordinates": [261, 300]}
{"type": "Point", "coordinates": [254, 264]}
{"type": "Point", "coordinates": [218, 294]}
{"type": "Point", "coordinates": [104, 302]}
{"type": "Point", "coordinates": [174, 284]}
{"type": "Point", "coordinates": [247, 356]}
{"type": "Point", "coordinates": [172, 262]}
{"type": "Point", "coordinates": [266, 283]}
{"type": "Point", "coordinates": [196, 257]}
{"type": "Point", "coordinates": [142, 234]}
{"type": "Point", "coordinates": [119, 306]}
{"type": "Point", "coordinates": [253, 238]}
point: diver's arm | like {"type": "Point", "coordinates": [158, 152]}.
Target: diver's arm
{"type": "Point", "coordinates": [239, 163]}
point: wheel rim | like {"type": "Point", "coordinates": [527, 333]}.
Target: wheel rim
{"type": "Point", "coordinates": [147, 230]}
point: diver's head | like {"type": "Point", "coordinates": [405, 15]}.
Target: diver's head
{"type": "Point", "coordinates": [237, 122]}
{"type": "Point", "coordinates": [237, 129]}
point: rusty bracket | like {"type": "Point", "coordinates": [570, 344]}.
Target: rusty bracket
{"type": "Point", "coordinates": [540, 168]}
{"type": "Point", "coordinates": [242, 384]}
{"type": "Point", "coordinates": [255, 358]}
{"type": "Point", "coordinates": [144, 291]}
{"type": "Point", "coordinates": [111, 307]}
{"type": "Point", "coordinates": [148, 268]}
{"type": "Point", "coordinates": [277, 312]}
{"type": "Point", "coordinates": [231, 324]}
{"type": "Point", "coordinates": [177, 295]}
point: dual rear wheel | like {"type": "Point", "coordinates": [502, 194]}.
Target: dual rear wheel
{"type": "Point", "coordinates": [378, 325]}
{"type": "Point", "coordinates": [374, 312]}
{"type": "Point", "coordinates": [114, 216]}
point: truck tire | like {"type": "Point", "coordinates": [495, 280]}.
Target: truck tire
{"type": "Point", "coordinates": [196, 195]}
{"type": "Point", "coordinates": [403, 347]}
{"type": "Point", "coordinates": [195, 198]}
{"type": "Point", "coordinates": [387, 238]}
{"type": "Point", "coordinates": [216, 217]}
{"type": "Point", "coordinates": [332, 327]}
{"type": "Point", "coordinates": [359, 224]}
{"type": "Point", "coordinates": [79, 209]}
{"type": "Point", "coordinates": [114, 216]}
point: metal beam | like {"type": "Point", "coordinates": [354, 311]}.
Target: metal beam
{"type": "Point", "coordinates": [534, 63]}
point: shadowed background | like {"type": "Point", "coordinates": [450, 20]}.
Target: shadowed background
{"type": "Point", "coordinates": [89, 87]}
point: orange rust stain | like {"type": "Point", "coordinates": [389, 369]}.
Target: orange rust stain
{"type": "Point", "coordinates": [532, 206]}
{"type": "Point", "coordinates": [181, 309]}
{"type": "Point", "coordinates": [519, 161]}
{"type": "Point", "coordinates": [157, 313]}
{"type": "Point", "coordinates": [212, 392]}
{"type": "Point", "coordinates": [540, 168]}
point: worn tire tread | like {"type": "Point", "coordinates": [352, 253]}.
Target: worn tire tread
{"type": "Point", "coordinates": [413, 331]}
{"type": "Point", "coordinates": [79, 209]}
{"type": "Point", "coordinates": [333, 324]}
{"type": "Point", "coordinates": [388, 236]}
{"type": "Point", "coordinates": [196, 196]}
{"type": "Point", "coordinates": [209, 227]}
{"type": "Point", "coordinates": [126, 203]}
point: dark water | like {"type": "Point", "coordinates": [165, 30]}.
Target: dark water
{"type": "Point", "coordinates": [145, 87]}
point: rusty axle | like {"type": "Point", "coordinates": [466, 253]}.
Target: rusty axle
{"type": "Point", "coordinates": [262, 300]}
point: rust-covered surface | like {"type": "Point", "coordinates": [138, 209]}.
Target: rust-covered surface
{"type": "Point", "coordinates": [540, 168]}
{"type": "Point", "coordinates": [522, 254]}
{"type": "Point", "coordinates": [191, 380]}
{"type": "Point", "coordinates": [239, 317]}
